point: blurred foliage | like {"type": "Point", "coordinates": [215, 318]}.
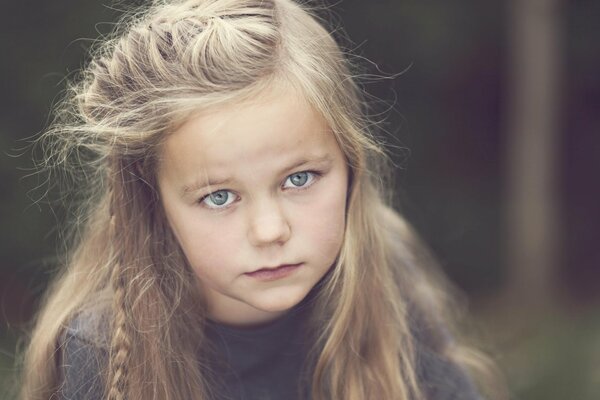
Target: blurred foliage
{"type": "Point", "coordinates": [448, 109]}
{"type": "Point", "coordinates": [554, 356]}
{"type": "Point", "coordinates": [7, 366]}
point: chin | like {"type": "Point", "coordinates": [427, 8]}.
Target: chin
{"type": "Point", "coordinates": [280, 302]}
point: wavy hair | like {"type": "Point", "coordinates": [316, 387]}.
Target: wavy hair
{"type": "Point", "coordinates": [161, 65]}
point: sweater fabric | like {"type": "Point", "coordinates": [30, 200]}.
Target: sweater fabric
{"type": "Point", "coordinates": [262, 363]}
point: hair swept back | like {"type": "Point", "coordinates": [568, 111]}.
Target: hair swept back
{"type": "Point", "coordinates": [161, 65]}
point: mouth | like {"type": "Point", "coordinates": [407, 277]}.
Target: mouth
{"type": "Point", "coordinates": [273, 273]}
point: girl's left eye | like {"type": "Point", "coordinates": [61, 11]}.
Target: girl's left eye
{"type": "Point", "coordinates": [300, 179]}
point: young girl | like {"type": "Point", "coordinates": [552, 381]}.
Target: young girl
{"type": "Point", "coordinates": [235, 240]}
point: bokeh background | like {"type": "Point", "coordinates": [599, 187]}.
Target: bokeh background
{"type": "Point", "coordinates": [495, 127]}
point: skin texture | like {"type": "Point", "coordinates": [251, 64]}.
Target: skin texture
{"type": "Point", "coordinates": [271, 212]}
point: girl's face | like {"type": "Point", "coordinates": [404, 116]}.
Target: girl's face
{"type": "Point", "coordinates": [251, 187]}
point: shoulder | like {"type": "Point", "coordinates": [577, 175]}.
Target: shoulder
{"type": "Point", "coordinates": [91, 325]}
{"type": "Point", "coordinates": [442, 379]}
{"type": "Point", "coordinates": [83, 348]}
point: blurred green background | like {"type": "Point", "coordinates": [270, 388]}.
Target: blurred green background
{"type": "Point", "coordinates": [498, 103]}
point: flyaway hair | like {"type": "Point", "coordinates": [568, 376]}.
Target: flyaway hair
{"type": "Point", "coordinates": [160, 66]}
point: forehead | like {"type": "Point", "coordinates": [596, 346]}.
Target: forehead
{"type": "Point", "coordinates": [270, 129]}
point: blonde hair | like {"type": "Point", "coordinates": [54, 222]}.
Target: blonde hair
{"type": "Point", "coordinates": [162, 65]}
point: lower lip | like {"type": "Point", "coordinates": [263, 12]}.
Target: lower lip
{"type": "Point", "coordinates": [274, 274]}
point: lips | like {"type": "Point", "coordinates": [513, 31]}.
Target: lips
{"type": "Point", "coordinates": [273, 273]}
{"type": "Point", "coordinates": [275, 268]}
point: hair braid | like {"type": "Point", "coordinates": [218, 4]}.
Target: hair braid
{"type": "Point", "coordinates": [120, 342]}
{"type": "Point", "coordinates": [161, 66]}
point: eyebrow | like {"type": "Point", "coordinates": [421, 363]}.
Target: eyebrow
{"type": "Point", "coordinates": [187, 189]}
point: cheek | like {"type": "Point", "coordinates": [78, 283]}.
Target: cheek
{"type": "Point", "coordinates": [210, 258]}
{"type": "Point", "coordinates": [323, 221]}
{"type": "Point", "coordinates": [207, 245]}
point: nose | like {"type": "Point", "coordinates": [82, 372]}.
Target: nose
{"type": "Point", "coordinates": [268, 223]}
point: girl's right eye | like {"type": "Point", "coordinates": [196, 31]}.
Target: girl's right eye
{"type": "Point", "coordinates": [218, 199]}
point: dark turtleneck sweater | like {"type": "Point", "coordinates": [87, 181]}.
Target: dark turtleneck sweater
{"type": "Point", "coordinates": [264, 362]}
{"type": "Point", "coordinates": [260, 363]}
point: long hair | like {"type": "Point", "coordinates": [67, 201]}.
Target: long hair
{"type": "Point", "coordinates": [160, 66]}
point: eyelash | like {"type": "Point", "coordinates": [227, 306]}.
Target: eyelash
{"type": "Point", "coordinates": [315, 176]}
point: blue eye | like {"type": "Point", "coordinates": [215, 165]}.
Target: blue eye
{"type": "Point", "coordinates": [218, 199]}
{"type": "Point", "coordinates": [299, 179]}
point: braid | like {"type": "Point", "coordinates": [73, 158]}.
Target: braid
{"type": "Point", "coordinates": [120, 343]}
